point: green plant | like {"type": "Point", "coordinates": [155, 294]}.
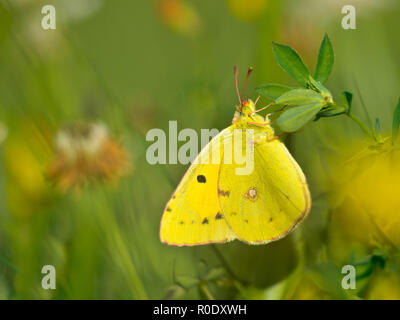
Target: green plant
{"type": "Point", "coordinates": [313, 100]}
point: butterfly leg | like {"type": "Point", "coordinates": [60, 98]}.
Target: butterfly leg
{"type": "Point", "coordinates": [277, 137]}
{"type": "Point", "coordinates": [263, 108]}
{"type": "Point", "coordinates": [259, 124]}
{"type": "Point", "coordinates": [281, 135]}
{"type": "Point", "coordinates": [273, 112]}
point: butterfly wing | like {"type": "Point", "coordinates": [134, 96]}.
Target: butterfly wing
{"type": "Point", "coordinates": [193, 215]}
{"type": "Point", "coordinates": [268, 203]}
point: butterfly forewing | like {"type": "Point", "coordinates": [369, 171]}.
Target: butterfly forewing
{"type": "Point", "coordinates": [193, 215]}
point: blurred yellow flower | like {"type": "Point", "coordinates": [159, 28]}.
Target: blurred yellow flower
{"type": "Point", "coordinates": [384, 286]}
{"type": "Point", "coordinates": [26, 151]}
{"type": "Point", "coordinates": [307, 289]}
{"type": "Point", "coordinates": [85, 153]}
{"type": "Point", "coordinates": [179, 16]}
{"type": "Point", "coordinates": [247, 10]}
{"type": "Point", "coordinates": [369, 207]}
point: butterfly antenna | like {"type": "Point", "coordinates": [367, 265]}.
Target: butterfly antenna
{"type": "Point", "coordinates": [236, 82]}
{"type": "Point", "coordinates": [247, 78]}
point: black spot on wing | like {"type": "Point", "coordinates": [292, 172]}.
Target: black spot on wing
{"type": "Point", "coordinates": [205, 221]}
{"type": "Point", "coordinates": [201, 178]}
{"type": "Point", "coordinates": [218, 216]}
{"type": "Point", "coordinates": [223, 193]}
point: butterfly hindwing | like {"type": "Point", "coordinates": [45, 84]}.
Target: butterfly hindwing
{"type": "Point", "coordinates": [193, 215]}
{"type": "Point", "coordinates": [269, 202]}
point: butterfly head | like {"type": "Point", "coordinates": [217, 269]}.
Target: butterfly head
{"type": "Point", "coordinates": [246, 112]}
{"type": "Point", "coordinates": [247, 107]}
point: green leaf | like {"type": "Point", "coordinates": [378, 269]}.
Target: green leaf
{"type": "Point", "coordinates": [377, 130]}
{"type": "Point", "coordinates": [325, 61]}
{"type": "Point", "coordinates": [328, 277]}
{"type": "Point", "coordinates": [291, 62]}
{"type": "Point", "coordinates": [330, 112]}
{"type": "Point", "coordinates": [347, 99]}
{"type": "Point", "coordinates": [396, 121]}
{"type": "Point", "coordinates": [377, 126]}
{"type": "Point", "coordinates": [295, 118]}
{"type": "Point", "coordinates": [187, 281]}
{"type": "Point", "coordinates": [297, 97]}
{"type": "Point", "coordinates": [174, 292]}
{"type": "Point", "coordinates": [272, 91]}
{"type": "Point", "coordinates": [320, 88]}
{"type": "Point", "coordinates": [214, 273]}
{"type": "Point", "coordinates": [378, 260]}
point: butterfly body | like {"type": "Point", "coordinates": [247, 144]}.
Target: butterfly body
{"type": "Point", "coordinates": [213, 203]}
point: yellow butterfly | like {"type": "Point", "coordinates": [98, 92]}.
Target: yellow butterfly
{"type": "Point", "coordinates": [214, 204]}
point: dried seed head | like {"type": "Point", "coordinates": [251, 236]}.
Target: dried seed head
{"type": "Point", "coordinates": [85, 153]}
{"type": "Point", "coordinates": [79, 140]}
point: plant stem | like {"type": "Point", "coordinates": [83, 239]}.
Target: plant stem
{"type": "Point", "coordinates": [361, 124]}
{"type": "Point", "coordinates": [223, 261]}
{"type": "Point", "coordinates": [120, 251]}
{"type": "Point", "coordinates": [9, 264]}
{"type": "Point", "coordinates": [206, 291]}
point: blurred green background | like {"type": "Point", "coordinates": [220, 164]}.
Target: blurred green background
{"type": "Point", "coordinates": [135, 65]}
